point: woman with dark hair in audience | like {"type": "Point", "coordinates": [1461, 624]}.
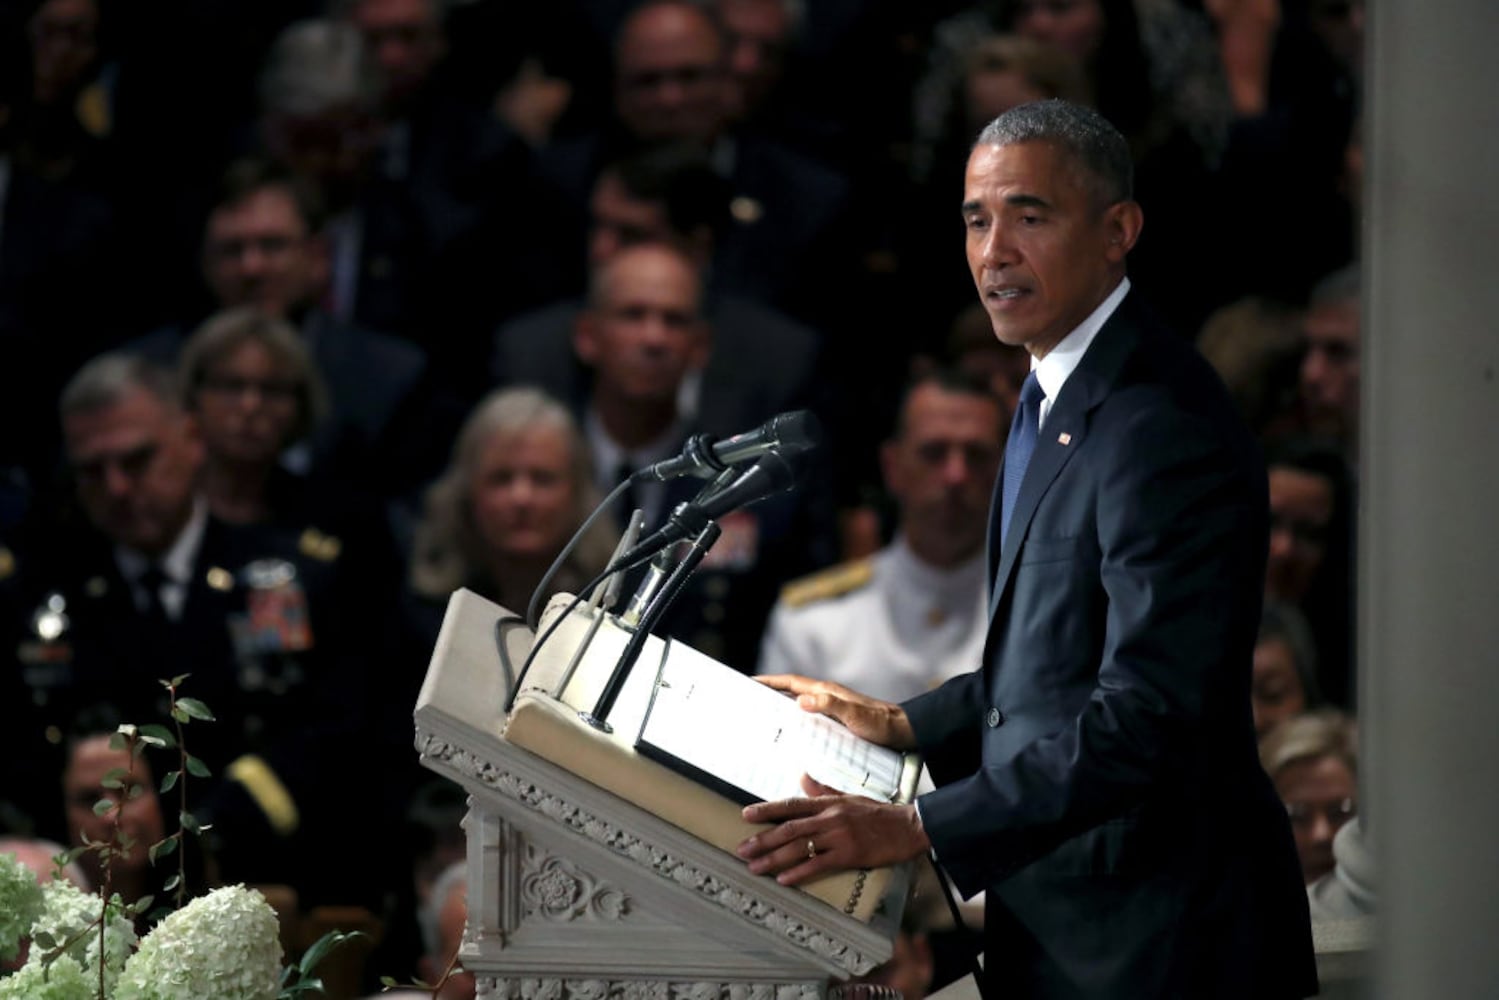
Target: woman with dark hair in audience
{"type": "Point", "coordinates": [519, 484]}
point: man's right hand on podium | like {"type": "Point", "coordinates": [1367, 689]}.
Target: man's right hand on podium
{"type": "Point", "coordinates": [880, 722]}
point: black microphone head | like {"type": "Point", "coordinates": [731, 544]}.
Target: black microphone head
{"type": "Point", "coordinates": [799, 430]}
{"type": "Point", "coordinates": [774, 472]}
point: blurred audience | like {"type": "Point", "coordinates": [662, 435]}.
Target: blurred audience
{"type": "Point", "coordinates": [790, 242]}
{"type": "Point", "coordinates": [1351, 889]}
{"type": "Point", "coordinates": [1284, 682]}
{"type": "Point", "coordinates": [40, 856]}
{"type": "Point", "coordinates": [1255, 345]}
{"type": "Point", "coordinates": [270, 621]}
{"type": "Point", "coordinates": [249, 380]}
{"type": "Point", "coordinates": [264, 248]}
{"type": "Point", "coordinates": [1310, 560]}
{"type": "Point", "coordinates": [1330, 367]}
{"type": "Point", "coordinates": [900, 622]}
{"type": "Point", "coordinates": [759, 362]}
{"type": "Point", "coordinates": [641, 335]}
{"type": "Point", "coordinates": [443, 918]}
{"type": "Point", "coordinates": [519, 485]}
{"type": "Point", "coordinates": [1313, 761]}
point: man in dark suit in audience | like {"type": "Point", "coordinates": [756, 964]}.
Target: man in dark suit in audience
{"type": "Point", "coordinates": [1096, 774]}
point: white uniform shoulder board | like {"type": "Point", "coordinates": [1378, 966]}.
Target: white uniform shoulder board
{"type": "Point", "coordinates": [845, 578]}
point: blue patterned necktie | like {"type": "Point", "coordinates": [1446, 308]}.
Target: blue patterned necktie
{"type": "Point", "coordinates": [1018, 451]}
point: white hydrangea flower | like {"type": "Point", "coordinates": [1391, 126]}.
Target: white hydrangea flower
{"type": "Point", "coordinates": [66, 911]}
{"type": "Point", "coordinates": [64, 979]}
{"type": "Point", "coordinates": [224, 945]}
{"type": "Point", "coordinates": [20, 905]}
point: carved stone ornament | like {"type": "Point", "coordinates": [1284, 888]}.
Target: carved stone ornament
{"type": "Point", "coordinates": [627, 845]}
{"type": "Point", "coordinates": [558, 890]}
{"type": "Point", "coordinates": [637, 989]}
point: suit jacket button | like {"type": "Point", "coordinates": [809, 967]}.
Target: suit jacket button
{"type": "Point", "coordinates": [995, 719]}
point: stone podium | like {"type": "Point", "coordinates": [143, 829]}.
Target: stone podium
{"type": "Point", "coordinates": [595, 872]}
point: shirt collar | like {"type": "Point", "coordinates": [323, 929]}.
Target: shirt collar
{"type": "Point", "coordinates": [177, 564]}
{"type": "Point", "coordinates": [608, 455]}
{"type": "Point", "coordinates": [1061, 361]}
{"type": "Point", "coordinates": [919, 576]}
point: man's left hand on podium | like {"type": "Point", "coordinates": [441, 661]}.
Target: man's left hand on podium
{"type": "Point", "coordinates": [829, 833]}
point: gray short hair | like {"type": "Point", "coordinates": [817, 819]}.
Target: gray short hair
{"type": "Point", "coordinates": [1083, 135]}
{"type": "Point", "coordinates": [317, 66]}
{"type": "Point", "coordinates": [1343, 285]}
{"type": "Point", "coordinates": [108, 378]}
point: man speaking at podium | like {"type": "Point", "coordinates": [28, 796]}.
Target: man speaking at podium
{"type": "Point", "coordinates": [1097, 773]}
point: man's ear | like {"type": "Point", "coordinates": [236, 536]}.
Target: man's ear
{"type": "Point", "coordinates": [1122, 221]}
{"type": "Point", "coordinates": [586, 339]}
{"type": "Point", "coordinates": [890, 469]}
{"type": "Point", "coordinates": [319, 262]}
{"type": "Point", "coordinates": [702, 345]}
{"type": "Point", "coordinates": [193, 445]}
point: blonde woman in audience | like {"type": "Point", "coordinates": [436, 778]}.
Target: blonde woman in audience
{"type": "Point", "coordinates": [1313, 761]}
{"type": "Point", "coordinates": [519, 484]}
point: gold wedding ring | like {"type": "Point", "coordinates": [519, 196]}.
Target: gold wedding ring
{"type": "Point", "coordinates": [811, 848]}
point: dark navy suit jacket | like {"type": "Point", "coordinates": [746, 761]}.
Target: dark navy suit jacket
{"type": "Point", "coordinates": [1098, 774]}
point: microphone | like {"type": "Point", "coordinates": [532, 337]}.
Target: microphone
{"type": "Point", "coordinates": [705, 457]}
{"type": "Point", "coordinates": [771, 475]}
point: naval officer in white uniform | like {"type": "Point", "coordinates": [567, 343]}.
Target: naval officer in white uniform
{"type": "Point", "coordinates": [900, 622]}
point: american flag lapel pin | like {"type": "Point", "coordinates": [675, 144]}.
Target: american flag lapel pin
{"type": "Point", "coordinates": [1064, 439]}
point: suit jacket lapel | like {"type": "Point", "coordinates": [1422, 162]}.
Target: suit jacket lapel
{"type": "Point", "coordinates": [1067, 422]}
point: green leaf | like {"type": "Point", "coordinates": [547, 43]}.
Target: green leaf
{"type": "Point", "coordinates": [169, 781]}
{"type": "Point", "coordinates": [189, 822]}
{"type": "Point", "coordinates": [196, 767]}
{"type": "Point", "coordinates": [142, 905]}
{"type": "Point", "coordinates": [172, 883]}
{"type": "Point", "coordinates": [115, 777]}
{"type": "Point", "coordinates": [44, 940]}
{"type": "Point", "coordinates": [180, 714]}
{"type": "Point", "coordinates": [175, 682]}
{"type": "Point", "coordinates": [158, 735]}
{"type": "Point", "coordinates": [162, 849]}
{"type": "Point", "coordinates": [103, 806]}
{"type": "Point", "coordinates": [117, 741]}
{"type": "Point", "coordinates": [320, 948]}
{"type": "Point", "coordinates": [195, 708]}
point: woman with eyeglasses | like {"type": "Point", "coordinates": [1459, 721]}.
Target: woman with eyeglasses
{"type": "Point", "coordinates": [251, 383]}
{"type": "Point", "coordinates": [1313, 761]}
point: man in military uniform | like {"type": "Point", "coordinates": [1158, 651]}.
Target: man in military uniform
{"type": "Point", "coordinates": [899, 622]}
{"type": "Point", "coordinates": [261, 618]}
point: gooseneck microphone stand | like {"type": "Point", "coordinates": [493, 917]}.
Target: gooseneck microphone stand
{"type": "Point", "coordinates": [697, 548]}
